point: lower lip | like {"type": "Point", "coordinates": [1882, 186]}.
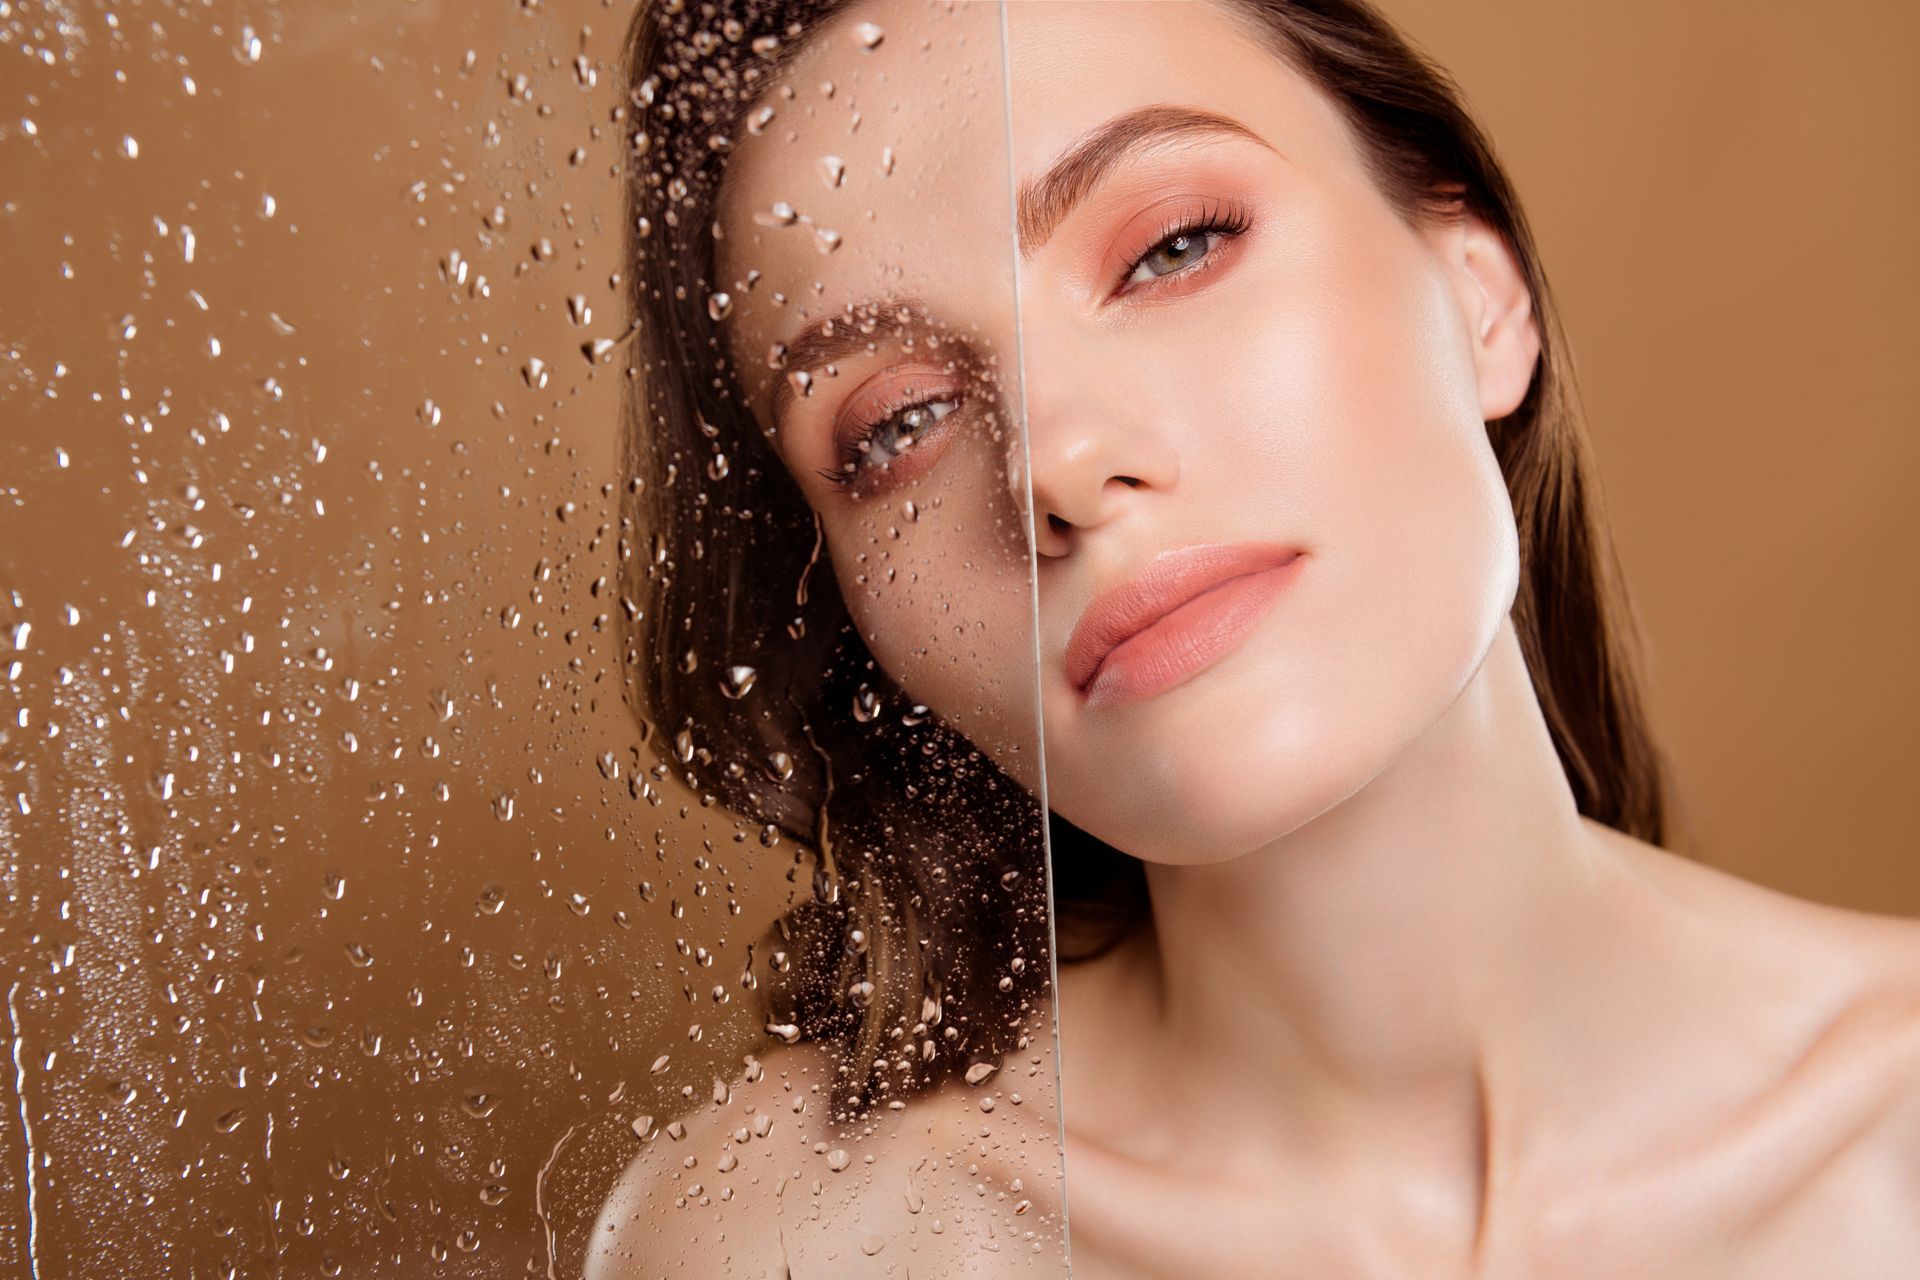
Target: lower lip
{"type": "Point", "coordinates": [1188, 640]}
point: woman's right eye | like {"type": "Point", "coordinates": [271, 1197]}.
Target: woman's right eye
{"type": "Point", "coordinates": [878, 444]}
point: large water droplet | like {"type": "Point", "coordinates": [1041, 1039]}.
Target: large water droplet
{"type": "Point", "coordinates": [781, 214]}
{"type": "Point", "coordinates": [737, 681]}
{"type": "Point", "coordinates": [868, 35]}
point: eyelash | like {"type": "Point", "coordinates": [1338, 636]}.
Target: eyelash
{"type": "Point", "coordinates": [1226, 221]}
{"type": "Point", "coordinates": [858, 447]}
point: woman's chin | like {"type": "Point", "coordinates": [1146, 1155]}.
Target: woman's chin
{"type": "Point", "coordinates": [1192, 807]}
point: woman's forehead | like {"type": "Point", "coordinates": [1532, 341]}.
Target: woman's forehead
{"type": "Point", "coordinates": [873, 170]}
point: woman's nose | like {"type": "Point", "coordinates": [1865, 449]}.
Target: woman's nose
{"type": "Point", "coordinates": [1095, 447]}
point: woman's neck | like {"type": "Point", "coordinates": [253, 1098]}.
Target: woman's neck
{"type": "Point", "coordinates": [1390, 978]}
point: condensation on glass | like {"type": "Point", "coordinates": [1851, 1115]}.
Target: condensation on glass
{"type": "Point", "coordinates": [470, 803]}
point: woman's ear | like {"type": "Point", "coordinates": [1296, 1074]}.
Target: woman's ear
{"type": "Point", "coordinates": [1498, 309]}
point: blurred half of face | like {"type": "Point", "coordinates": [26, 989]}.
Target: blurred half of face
{"type": "Point", "coordinates": [1271, 542]}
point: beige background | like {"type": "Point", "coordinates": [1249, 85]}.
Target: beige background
{"type": "Point", "coordinates": [1724, 196]}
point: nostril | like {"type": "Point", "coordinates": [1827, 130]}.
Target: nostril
{"type": "Point", "coordinates": [1058, 525]}
{"type": "Point", "coordinates": [1128, 481]}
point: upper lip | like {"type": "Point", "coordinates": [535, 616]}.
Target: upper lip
{"type": "Point", "coordinates": [1168, 581]}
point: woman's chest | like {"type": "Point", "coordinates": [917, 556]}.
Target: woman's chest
{"type": "Point", "coordinates": [1858, 1218]}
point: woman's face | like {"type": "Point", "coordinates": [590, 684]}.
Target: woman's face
{"type": "Point", "coordinates": [1273, 543]}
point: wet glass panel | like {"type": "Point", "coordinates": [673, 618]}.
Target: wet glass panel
{"type": "Point", "coordinates": [518, 746]}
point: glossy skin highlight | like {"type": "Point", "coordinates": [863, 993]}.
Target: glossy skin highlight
{"type": "Point", "coordinates": [1401, 1010]}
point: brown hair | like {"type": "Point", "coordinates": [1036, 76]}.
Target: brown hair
{"type": "Point", "coordinates": [919, 888]}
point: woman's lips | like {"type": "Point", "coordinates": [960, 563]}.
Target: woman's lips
{"type": "Point", "coordinates": [1179, 615]}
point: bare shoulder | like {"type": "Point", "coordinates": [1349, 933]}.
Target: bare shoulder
{"type": "Point", "coordinates": [767, 1182]}
{"type": "Point", "coordinates": [1830, 1153]}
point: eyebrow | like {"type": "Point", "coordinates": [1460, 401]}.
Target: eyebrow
{"type": "Point", "coordinates": [1040, 206]}
{"type": "Point", "coordinates": [839, 337]}
{"type": "Point", "coordinates": [1044, 203]}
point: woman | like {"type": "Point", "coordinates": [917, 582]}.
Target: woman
{"type": "Point", "coordinates": [1340, 724]}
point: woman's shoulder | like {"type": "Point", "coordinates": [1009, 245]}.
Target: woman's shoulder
{"type": "Point", "coordinates": [1836, 1136]}
{"type": "Point", "coordinates": [763, 1179]}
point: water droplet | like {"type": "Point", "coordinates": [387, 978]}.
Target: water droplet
{"type": "Point", "coordinates": [868, 35]}
{"type": "Point", "coordinates": [738, 681]}
{"type": "Point", "coordinates": [642, 1126]}
{"type": "Point", "coordinates": [535, 372]}
{"type": "Point", "coordinates": [250, 48]}
{"type": "Point", "coordinates": [491, 899]}
{"type": "Point", "coordinates": [578, 310]}
{"type": "Point", "coordinates": [779, 766]}
{"type": "Point", "coordinates": [130, 146]}
{"type": "Point", "coordinates": [757, 122]}
{"type": "Point", "coordinates": [228, 1121]}
{"type": "Point", "coordinates": [838, 1159]}
{"type": "Point", "coordinates": [719, 304]}
{"type": "Point", "coordinates": [826, 240]}
{"type": "Point", "coordinates": [492, 1194]}
{"type": "Point", "coordinates": [866, 704]}
{"type": "Point", "coordinates": [981, 1072]}
{"type": "Point", "coordinates": [802, 382]}
{"type": "Point", "coordinates": [659, 1065]}
{"type": "Point", "coordinates": [359, 954]}
{"type": "Point", "coordinates": [479, 1104]}
{"type": "Point", "coordinates": [781, 214]}
{"type": "Point", "coordinates": [429, 413]}
{"type": "Point", "coordinates": [833, 170]}
{"type": "Point", "coordinates": [787, 1031]}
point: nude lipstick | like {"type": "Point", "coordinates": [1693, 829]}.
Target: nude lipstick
{"type": "Point", "coordinates": [1182, 613]}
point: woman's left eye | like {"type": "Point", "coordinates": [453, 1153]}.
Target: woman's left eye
{"type": "Point", "coordinates": [1179, 251]}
